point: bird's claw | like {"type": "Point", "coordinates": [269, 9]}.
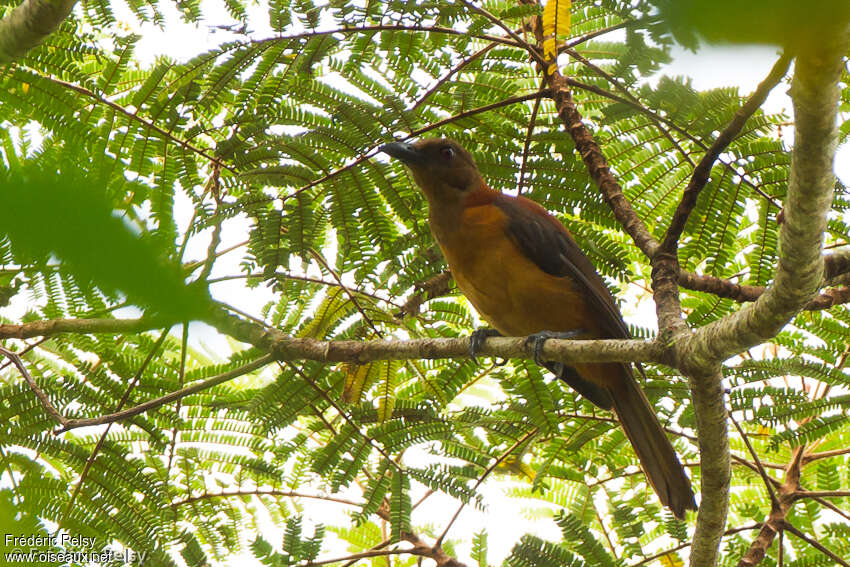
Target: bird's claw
{"type": "Point", "coordinates": [537, 340]}
{"type": "Point", "coordinates": [477, 338]}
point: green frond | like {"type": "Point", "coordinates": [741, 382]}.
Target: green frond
{"type": "Point", "coordinates": [399, 505]}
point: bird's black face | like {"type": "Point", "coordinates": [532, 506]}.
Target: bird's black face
{"type": "Point", "coordinates": [441, 167]}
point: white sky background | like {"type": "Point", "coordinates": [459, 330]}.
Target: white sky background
{"type": "Point", "coordinates": [505, 519]}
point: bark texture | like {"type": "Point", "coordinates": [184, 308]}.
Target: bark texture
{"type": "Point", "coordinates": [27, 25]}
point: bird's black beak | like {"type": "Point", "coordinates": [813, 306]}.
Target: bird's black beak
{"type": "Point", "coordinates": [406, 153]}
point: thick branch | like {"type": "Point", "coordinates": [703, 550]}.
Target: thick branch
{"type": "Point", "coordinates": [800, 271]}
{"type": "Point", "coordinates": [716, 468]}
{"type": "Point", "coordinates": [284, 347]}
{"type": "Point", "coordinates": [597, 165]}
{"type": "Point", "coordinates": [82, 326]}
{"type": "Point", "coordinates": [29, 24]}
{"type": "Point", "coordinates": [726, 288]}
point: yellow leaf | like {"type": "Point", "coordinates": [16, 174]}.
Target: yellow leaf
{"type": "Point", "coordinates": [671, 560]}
{"type": "Point", "coordinates": [556, 21]}
{"type": "Point", "coordinates": [355, 381]}
{"type": "Point", "coordinates": [25, 87]}
{"type": "Point", "coordinates": [516, 467]}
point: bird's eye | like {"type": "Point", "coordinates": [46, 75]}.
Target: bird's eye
{"type": "Point", "coordinates": [447, 153]}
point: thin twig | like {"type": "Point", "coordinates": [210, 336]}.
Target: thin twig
{"type": "Point", "coordinates": [215, 240]}
{"type": "Point", "coordinates": [452, 72]}
{"type": "Point", "coordinates": [827, 504]}
{"type": "Point", "coordinates": [39, 393]}
{"type": "Point", "coordinates": [701, 173]}
{"type": "Point", "coordinates": [681, 546]}
{"type": "Point", "coordinates": [181, 380]}
{"type": "Point", "coordinates": [136, 117]}
{"type": "Point", "coordinates": [483, 476]}
{"type": "Point", "coordinates": [814, 543]}
{"type": "Point", "coordinates": [594, 34]}
{"type": "Point", "coordinates": [767, 480]}
{"type": "Point", "coordinates": [293, 277]}
{"type": "Point", "coordinates": [321, 260]}
{"type": "Point", "coordinates": [372, 442]}
{"type": "Point", "coordinates": [276, 493]}
{"type": "Point", "coordinates": [532, 122]}
{"type": "Point", "coordinates": [822, 494]}
{"type": "Point", "coordinates": [124, 398]}
{"type": "Point", "coordinates": [381, 545]}
{"type": "Point", "coordinates": [369, 153]}
{"type": "Point", "coordinates": [532, 51]}
{"type": "Point", "coordinates": [168, 398]}
{"type": "Point", "coordinates": [361, 555]}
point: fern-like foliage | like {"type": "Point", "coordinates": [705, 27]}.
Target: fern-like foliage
{"type": "Point", "coordinates": [269, 141]}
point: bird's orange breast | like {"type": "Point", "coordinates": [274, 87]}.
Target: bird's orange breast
{"type": "Point", "coordinates": [509, 290]}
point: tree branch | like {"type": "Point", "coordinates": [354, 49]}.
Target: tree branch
{"type": "Point", "coordinates": [763, 473]}
{"type": "Point", "coordinates": [480, 480]}
{"type": "Point", "coordinates": [814, 543]}
{"type": "Point", "coordinates": [597, 165]}
{"type": "Point", "coordinates": [39, 393]}
{"type": "Point", "coordinates": [822, 494]}
{"type": "Point", "coordinates": [102, 439]}
{"type": "Point", "coordinates": [800, 270]}
{"type": "Point", "coordinates": [706, 386]}
{"type": "Point", "coordinates": [168, 398]}
{"type": "Point", "coordinates": [433, 126]}
{"type": "Point", "coordinates": [363, 555]}
{"type": "Point", "coordinates": [29, 24]}
{"type": "Point", "coordinates": [149, 124]}
{"type": "Point", "coordinates": [726, 288]}
{"type": "Point", "coordinates": [52, 327]}
{"type": "Point", "coordinates": [809, 457]}
{"type": "Point", "coordinates": [782, 503]}
{"type": "Point", "coordinates": [284, 347]}
{"type": "Point", "coordinates": [661, 554]}
{"type": "Point", "coordinates": [701, 173]}
{"type": "Point", "coordinates": [276, 493]}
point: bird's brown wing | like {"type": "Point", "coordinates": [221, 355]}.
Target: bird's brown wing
{"type": "Point", "coordinates": [545, 241]}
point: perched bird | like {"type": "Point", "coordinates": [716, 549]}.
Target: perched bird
{"type": "Point", "coordinates": [524, 273]}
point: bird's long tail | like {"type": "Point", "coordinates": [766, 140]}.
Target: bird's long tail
{"type": "Point", "coordinates": [654, 450]}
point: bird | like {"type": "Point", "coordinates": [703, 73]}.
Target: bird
{"type": "Point", "coordinates": [524, 273]}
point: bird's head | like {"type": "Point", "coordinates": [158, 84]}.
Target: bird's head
{"type": "Point", "coordinates": [444, 171]}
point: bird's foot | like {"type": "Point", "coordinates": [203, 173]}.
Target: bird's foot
{"type": "Point", "coordinates": [536, 341]}
{"type": "Point", "coordinates": [477, 338]}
